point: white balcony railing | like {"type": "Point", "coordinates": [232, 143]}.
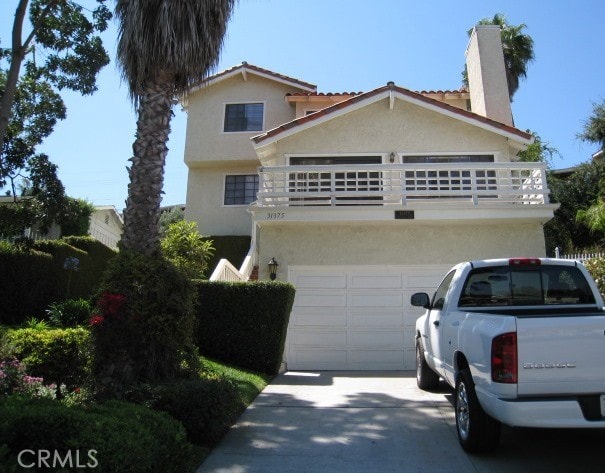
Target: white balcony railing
{"type": "Point", "coordinates": [401, 184]}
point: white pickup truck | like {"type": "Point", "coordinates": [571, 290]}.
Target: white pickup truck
{"type": "Point", "coordinates": [522, 342]}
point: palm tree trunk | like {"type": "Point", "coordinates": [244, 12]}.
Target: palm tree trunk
{"type": "Point", "coordinates": [141, 217]}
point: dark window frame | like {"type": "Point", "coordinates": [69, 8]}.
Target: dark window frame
{"type": "Point", "coordinates": [245, 117]}
{"type": "Point", "coordinates": [240, 189]}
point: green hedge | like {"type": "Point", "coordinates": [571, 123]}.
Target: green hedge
{"type": "Point", "coordinates": [99, 257]}
{"type": "Point", "coordinates": [207, 407]}
{"type": "Point", "coordinates": [113, 437]}
{"type": "Point", "coordinates": [31, 280]}
{"type": "Point", "coordinates": [60, 356]}
{"type": "Point", "coordinates": [244, 324]}
{"type": "Point", "coordinates": [26, 287]}
{"type": "Point", "coordinates": [69, 284]}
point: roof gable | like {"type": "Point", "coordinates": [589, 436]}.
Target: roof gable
{"type": "Point", "coordinates": [392, 92]}
{"type": "Point", "coordinates": [244, 68]}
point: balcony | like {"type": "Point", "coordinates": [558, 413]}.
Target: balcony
{"type": "Point", "coordinates": [401, 185]}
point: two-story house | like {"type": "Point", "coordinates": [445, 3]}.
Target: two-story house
{"type": "Point", "coordinates": [363, 198]}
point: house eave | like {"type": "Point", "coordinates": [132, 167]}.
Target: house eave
{"type": "Point", "coordinates": [518, 138]}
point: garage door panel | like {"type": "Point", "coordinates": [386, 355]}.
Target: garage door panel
{"type": "Point", "coordinates": [375, 299]}
{"type": "Point", "coordinates": [306, 298]}
{"type": "Point", "coordinates": [317, 280]}
{"type": "Point", "coordinates": [323, 316]}
{"type": "Point", "coordinates": [377, 281]}
{"type": "Point", "coordinates": [377, 356]}
{"type": "Point", "coordinates": [375, 339]}
{"type": "Point", "coordinates": [316, 338]}
{"type": "Point", "coordinates": [310, 358]}
{"type": "Point", "coordinates": [424, 280]}
{"type": "Point", "coordinates": [361, 318]}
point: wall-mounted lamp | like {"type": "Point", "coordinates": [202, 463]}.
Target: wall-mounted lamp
{"type": "Point", "coordinates": [272, 268]}
{"type": "Point", "coordinates": [392, 157]}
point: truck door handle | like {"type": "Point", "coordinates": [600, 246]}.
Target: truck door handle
{"type": "Point", "coordinates": [436, 323]}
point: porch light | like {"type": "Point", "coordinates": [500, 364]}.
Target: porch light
{"type": "Point", "coordinates": [272, 268]}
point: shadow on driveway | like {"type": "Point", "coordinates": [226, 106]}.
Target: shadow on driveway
{"type": "Point", "coordinates": [380, 422]}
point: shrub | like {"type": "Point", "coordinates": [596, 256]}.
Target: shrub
{"type": "Point", "coordinates": [244, 324]}
{"type": "Point", "coordinates": [114, 437]}
{"type": "Point", "coordinates": [144, 325]}
{"type": "Point", "coordinates": [60, 356]}
{"type": "Point", "coordinates": [184, 247]}
{"type": "Point", "coordinates": [596, 268]}
{"type": "Point", "coordinates": [70, 313]}
{"type": "Point", "coordinates": [27, 283]}
{"type": "Point", "coordinates": [207, 407]}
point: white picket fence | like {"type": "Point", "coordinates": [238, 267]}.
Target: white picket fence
{"type": "Point", "coordinates": [579, 256]}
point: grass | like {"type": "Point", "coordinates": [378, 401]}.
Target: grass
{"type": "Point", "coordinates": [249, 384]}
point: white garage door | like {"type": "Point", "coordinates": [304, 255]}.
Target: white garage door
{"type": "Point", "coordinates": [356, 318]}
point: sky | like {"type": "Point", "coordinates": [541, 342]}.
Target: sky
{"type": "Point", "coordinates": [347, 45]}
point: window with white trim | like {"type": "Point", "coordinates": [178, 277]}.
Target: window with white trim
{"type": "Point", "coordinates": [243, 117]}
{"type": "Point", "coordinates": [240, 189]}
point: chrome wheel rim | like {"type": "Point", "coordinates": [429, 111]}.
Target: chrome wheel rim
{"type": "Point", "coordinates": [462, 415]}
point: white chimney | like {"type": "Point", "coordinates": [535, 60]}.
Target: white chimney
{"type": "Point", "coordinates": [487, 82]}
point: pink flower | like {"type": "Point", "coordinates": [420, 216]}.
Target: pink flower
{"type": "Point", "coordinates": [96, 320]}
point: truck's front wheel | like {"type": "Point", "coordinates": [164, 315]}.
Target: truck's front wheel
{"type": "Point", "coordinates": [426, 378]}
{"type": "Point", "coordinates": [477, 431]}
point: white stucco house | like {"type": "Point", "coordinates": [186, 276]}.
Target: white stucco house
{"type": "Point", "coordinates": [106, 225]}
{"type": "Point", "coordinates": [362, 198]}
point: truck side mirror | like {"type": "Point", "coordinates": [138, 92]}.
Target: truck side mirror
{"type": "Point", "coordinates": [421, 299]}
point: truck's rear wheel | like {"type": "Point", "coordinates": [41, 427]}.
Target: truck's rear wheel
{"type": "Point", "coordinates": [426, 378]}
{"type": "Point", "coordinates": [477, 431]}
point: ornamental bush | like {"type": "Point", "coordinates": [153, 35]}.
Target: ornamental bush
{"type": "Point", "coordinates": [207, 407]}
{"type": "Point", "coordinates": [110, 438]}
{"type": "Point", "coordinates": [59, 356]}
{"type": "Point", "coordinates": [69, 313]}
{"type": "Point", "coordinates": [184, 247]}
{"type": "Point", "coordinates": [143, 325]}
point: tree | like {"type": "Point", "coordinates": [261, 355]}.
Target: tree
{"type": "Point", "coordinates": [74, 55]}
{"type": "Point", "coordinates": [518, 49]}
{"type": "Point", "coordinates": [63, 35]}
{"type": "Point", "coordinates": [594, 127]}
{"type": "Point", "coordinates": [164, 47]}
{"type": "Point", "coordinates": [574, 193]}
{"type": "Point", "coordinates": [594, 132]}
{"type": "Point", "coordinates": [538, 151]}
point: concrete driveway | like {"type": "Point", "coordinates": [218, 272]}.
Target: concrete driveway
{"type": "Point", "coordinates": [352, 422]}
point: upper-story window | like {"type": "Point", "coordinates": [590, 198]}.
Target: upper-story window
{"type": "Point", "coordinates": [243, 117]}
{"type": "Point", "coordinates": [240, 189]}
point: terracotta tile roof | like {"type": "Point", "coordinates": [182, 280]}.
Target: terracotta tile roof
{"type": "Point", "coordinates": [322, 94]}
{"type": "Point", "coordinates": [259, 70]}
{"type": "Point", "coordinates": [400, 90]}
{"type": "Point", "coordinates": [461, 90]}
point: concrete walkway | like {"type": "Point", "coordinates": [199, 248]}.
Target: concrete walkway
{"type": "Point", "coordinates": [349, 422]}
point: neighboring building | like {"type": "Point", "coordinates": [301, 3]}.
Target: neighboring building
{"type": "Point", "coordinates": [106, 225]}
{"type": "Point", "coordinates": [363, 198]}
